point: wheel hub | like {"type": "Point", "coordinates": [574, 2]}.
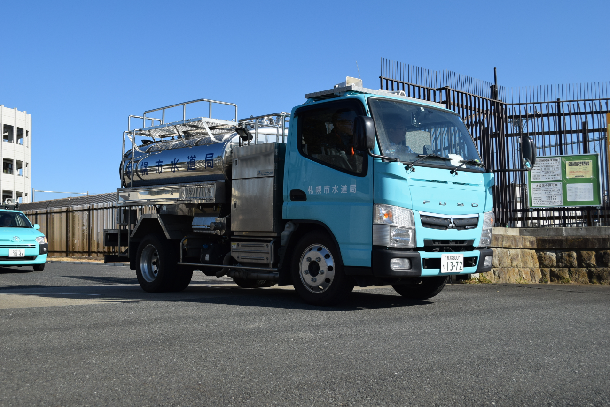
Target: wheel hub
{"type": "Point", "coordinates": [317, 268]}
{"type": "Point", "coordinates": [149, 263]}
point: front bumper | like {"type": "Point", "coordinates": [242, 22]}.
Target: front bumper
{"type": "Point", "coordinates": [425, 264]}
{"type": "Point", "coordinates": [33, 254]}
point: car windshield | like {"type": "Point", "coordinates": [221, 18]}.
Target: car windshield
{"type": "Point", "coordinates": [14, 220]}
{"type": "Point", "coordinates": [412, 132]}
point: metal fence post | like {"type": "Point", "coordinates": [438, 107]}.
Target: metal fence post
{"type": "Point", "coordinates": [585, 137]}
{"type": "Point", "coordinates": [68, 232]}
{"type": "Point", "coordinates": [559, 127]}
{"type": "Point", "coordinates": [89, 231]}
{"type": "Point", "coordinates": [447, 97]}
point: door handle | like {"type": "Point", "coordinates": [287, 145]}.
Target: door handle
{"type": "Point", "coordinates": [297, 195]}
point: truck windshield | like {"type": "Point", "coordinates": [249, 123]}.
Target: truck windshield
{"type": "Point", "coordinates": [410, 132]}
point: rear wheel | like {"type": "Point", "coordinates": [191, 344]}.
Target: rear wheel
{"type": "Point", "coordinates": [156, 267]}
{"type": "Point", "coordinates": [421, 288]}
{"type": "Point", "coordinates": [317, 271]}
{"type": "Point", "coordinates": [181, 279]}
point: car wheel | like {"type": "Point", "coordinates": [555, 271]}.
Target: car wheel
{"type": "Point", "coordinates": [317, 271]}
{"type": "Point", "coordinates": [39, 267]}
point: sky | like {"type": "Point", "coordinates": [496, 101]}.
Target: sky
{"type": "Point", "coordinates": [81, 67]}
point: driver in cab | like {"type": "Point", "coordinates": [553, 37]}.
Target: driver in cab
{"type": "Point", "coordinates": [343, 130]}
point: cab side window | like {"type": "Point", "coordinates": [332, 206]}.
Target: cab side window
{"type": "Point", "coordinates": [326, 136]}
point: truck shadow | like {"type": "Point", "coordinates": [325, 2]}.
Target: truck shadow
{"type": "Point", "coordinates": [126, 290]}
{"type": "Point", "coordinates": [227, 292]}
{"type": "Point", "coordinates": [287, 298]}
{"type": "Point", "coordinates": [107, 280]}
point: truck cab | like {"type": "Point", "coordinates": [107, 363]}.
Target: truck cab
{"type": "Point", "coordinates": [409, 209]}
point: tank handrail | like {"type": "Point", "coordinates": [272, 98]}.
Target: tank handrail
{"type": "Point", "coordinates": [280, 123]}
{"type": "Point", "coordinates": [133, 116]}
{"type": "Point", "coordinates": [264, 116]}
{"type": "Point", "coordinates": [183, 104]}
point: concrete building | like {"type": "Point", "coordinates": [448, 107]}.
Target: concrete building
{"type": "Point", "coordinates": [16, 154]}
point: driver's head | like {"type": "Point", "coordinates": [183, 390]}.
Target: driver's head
{"type": "Point", "coordinates": [343, 121]}
{"type": "Point", "coordinates": [395, 129]}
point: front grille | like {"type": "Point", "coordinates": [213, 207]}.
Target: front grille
{"type": "Point", "coordinates": [440, 245]}
{"type": "Point", "coordinates": [6, 258]}
{"type": "Point", "coordinates": [436, 263]}
{"type": "Point", "coordinates": [17, 246]}
{"type": "Point", "coordinates": [447, 222]}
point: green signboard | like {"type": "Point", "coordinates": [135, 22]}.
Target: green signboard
{"type": "Point", "coordinates": [564, 181]}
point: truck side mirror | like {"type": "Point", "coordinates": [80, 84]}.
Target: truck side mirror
{"type": "Point", "coordinates": [364, 133]}
{"type": "Point", "coordinates": [528, 152]}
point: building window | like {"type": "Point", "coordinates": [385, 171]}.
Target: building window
{"type": "Point", "coordinates": [6, 195]}
{"type": "Point", "coordinates": [19, 135]}
{"type": "Point", "coordinates": [7, 133]}
{"type": "Point", "coordinates": [19, 168]}
{"type": "Point", "coordinates": [7, 166]}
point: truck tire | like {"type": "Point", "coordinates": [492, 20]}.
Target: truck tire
{"type": "Point", "coordinates": [156, 267]}
{"type": "Point", "coordinates": [181, 279]}
{"type": "Point", "coordinates": [421, 288]}
{"type": "Point", "coordinates": [317, 271]}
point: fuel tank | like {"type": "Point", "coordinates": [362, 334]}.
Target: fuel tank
{"type": "Point", "coordinates": [183, 160]}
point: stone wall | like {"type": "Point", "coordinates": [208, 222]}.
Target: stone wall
{"type": "Point", "coordinates": [550, 255]}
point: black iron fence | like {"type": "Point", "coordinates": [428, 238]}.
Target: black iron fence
{"type": "Point", "coordinates": [562, 120]}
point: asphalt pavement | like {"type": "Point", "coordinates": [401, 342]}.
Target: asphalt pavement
{"type": "Point", "coordinates": [86, 334]}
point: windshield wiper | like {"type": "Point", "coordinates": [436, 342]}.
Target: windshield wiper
{"type": "Point", "coordinates": [409, 166]}
{"type": "Point", "coordinates": [469, 161]}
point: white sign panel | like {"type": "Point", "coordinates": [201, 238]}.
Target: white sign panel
{"type": "Point", "coordinates": [547, 194]}
{"type": "Point", "coordinates": [579, 192]}
{"type": "Point", "coordinates": [547, 169]}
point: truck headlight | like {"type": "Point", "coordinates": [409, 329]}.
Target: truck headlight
{"type": "Point", "coordinates": [488, 222]}
{"type": "Point", "coordinates": [41, 239]}
{"type": "Point", "coordinates": [393, 226]}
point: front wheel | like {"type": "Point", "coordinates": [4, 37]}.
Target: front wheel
{"type": "Point", "coordinates": [39, 267]}
{"type": "Point", "coordinates": [421, 288]}
{"type": "Point", "coordinates": [317, 271]}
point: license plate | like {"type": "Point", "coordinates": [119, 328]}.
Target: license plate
{"type": "Point", "coordinates": [198, 192]}
{"type": "Point", "coordinates": [452, 263]}
{"type": "Point", "coordinates": [16, 252]}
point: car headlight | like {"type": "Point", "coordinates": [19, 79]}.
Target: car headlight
{"type": "Point", "coordinates": [41, 239]}
{"type": "Point", "coordinates": [393, 226]}
{"type": "Point", "coordinates": [488, 222]}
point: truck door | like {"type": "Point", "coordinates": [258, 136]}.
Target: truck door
{"type": "Point", "coordinates": [327, 181]}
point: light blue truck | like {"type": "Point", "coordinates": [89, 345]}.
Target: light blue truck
{"type": "Point", "coordinates": [355, 187]}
